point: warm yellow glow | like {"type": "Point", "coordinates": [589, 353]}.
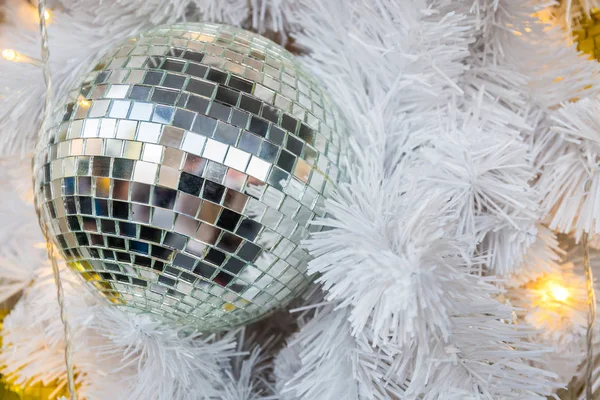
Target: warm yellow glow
{"type": "Point", "coordinates": [9, 54]}
{"type": "Point", "coordinates": [12, 55]}
{"type": "Point", "coordinates": [558, 292]}
{"type": "Point", "coordinates": [84, 103]}
{"type": "Point", "coordinates": [555, 303]}
{"type": "Point", "coordinates": [47, 16]}
{"type": "Point", "coordinates": [551, 292]}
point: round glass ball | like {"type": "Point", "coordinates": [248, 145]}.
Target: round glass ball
{"type": "Point", "coordinates": [181, 175]}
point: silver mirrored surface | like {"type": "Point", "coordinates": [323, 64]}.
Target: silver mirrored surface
{"type": "Point", "coordinates": [181, 176]}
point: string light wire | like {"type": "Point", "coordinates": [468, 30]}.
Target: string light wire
{"type": "Point", "coordinates": [591, 300]}
{"type": "Point", "coordinates": [49, 245]}
{"type": "Point", "coordinates": [591, 315]}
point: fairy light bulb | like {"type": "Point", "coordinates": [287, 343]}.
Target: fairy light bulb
{"type": "Point", "coordinates": [558, 292]}
{"type": "Point", "coordinates": [555, 293]}
{"type": "Point", "coordinates": [550, 292]}
{"type": "Point", "coordinates": [47, 16]}
{"type": "Point", "coordinates": [14, 56]}
{"type": "Point", "coordinates": [9, 54]}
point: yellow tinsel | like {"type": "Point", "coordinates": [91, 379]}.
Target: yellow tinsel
{"type": "Point", "coordinates": [587, 36]}
{"type": "Point", "coordinates": [33, 391]}
{"type": "Point", "coordinates": [37, 391]}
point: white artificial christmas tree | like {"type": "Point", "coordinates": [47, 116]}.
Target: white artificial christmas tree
{"type": "Point", "coordinates": [474, 141]}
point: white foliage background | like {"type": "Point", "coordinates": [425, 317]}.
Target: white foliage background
{"type": "Point", "coordinates": [468, 156]}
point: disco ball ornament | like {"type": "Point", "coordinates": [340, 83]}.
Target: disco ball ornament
{"type": "Point", "coordinates": [181, 176]}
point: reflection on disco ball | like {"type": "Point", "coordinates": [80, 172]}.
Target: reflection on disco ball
{"type": "Point", "coordinates": [181, 176]}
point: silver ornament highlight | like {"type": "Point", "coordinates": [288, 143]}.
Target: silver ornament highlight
{"type": "Point", "coordinates": [181, 176]}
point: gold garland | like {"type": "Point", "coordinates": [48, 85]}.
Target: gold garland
{"type": "Point", "coordinates": [31, 391]}
{"type": "Point", "coordinates": [36, 391]}
{"type": "Point", "coordinates": [587, 35]}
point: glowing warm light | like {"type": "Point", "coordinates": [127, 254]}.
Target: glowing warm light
{"type": "Point", "coordinates": [558, 292]}
{"type": "Point", "coordinates": [47, 16]}
{"type": "Point", "coordinates": [550, 291]}
{"type": "Point", "coordinates": [9, 54]}
{"type": "Point", "coordinates": [555, 303]}
{"type": "Point", "coordinates": [84, 103]}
